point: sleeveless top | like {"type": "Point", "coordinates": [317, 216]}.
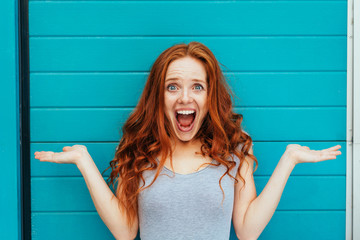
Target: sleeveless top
{"type": "Point", "coordinates": [187, 206]}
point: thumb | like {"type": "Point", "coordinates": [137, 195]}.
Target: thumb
{"type": "Point", "coordinates": [66, 148]}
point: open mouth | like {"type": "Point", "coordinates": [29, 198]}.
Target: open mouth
{"type": "Point", "coordinates": [185, 120]}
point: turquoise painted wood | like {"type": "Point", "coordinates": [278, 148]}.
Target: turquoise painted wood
{"type": "Point", "coordinates": [10, 223]}
{"type": "Point", "coordinates": [305, 193]}
{"type": "Point", "coordinates": [263, 124]}
{"type": "Point", "coordinates": [231, 18]}
{"type": "Point", "coordinates": [46, 226]}
{"type": "Point", "coordinates": [267, 154]}
{"type": "Point", "coordinates": [94, 54]}
{"type": "Point", "coordinates": [251, 89]}
{"type": "Point", "coordinates": [284, 60]}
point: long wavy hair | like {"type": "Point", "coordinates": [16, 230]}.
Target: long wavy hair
{"type": "Point", "coordinates": [147, 132]}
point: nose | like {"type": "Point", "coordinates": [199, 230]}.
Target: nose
{"type": "Point", "coordinates": [185, 97]}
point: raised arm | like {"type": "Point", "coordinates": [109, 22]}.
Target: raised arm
{"type": "Point", "coordinates": [251, 214]}
{"type": "Point", "coordinates": [104, 200]}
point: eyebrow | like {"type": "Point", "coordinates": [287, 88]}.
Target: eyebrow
{"type": "Point", "coordinates": [177, 79]}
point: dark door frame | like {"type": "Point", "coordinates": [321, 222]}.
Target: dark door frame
{"type": "Point", "coordinates": [24, 121]}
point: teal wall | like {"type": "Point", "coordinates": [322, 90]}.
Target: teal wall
{"type": "Point", "coordinates": [9, 123]}
{"type": "Point", "coordinates": [285, 60]}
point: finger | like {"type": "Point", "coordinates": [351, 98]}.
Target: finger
{"type": "Point", "coordinates": [332, 156]}
{"type": "Point", "coordinates": [325, 157]}
{"type": "Point", "coordinates": [48, 156]}
{"type": "Point", "coordinates": [337, 153]}
{"type": "Point", "coordinates": [332, 152]}
{"type": "Point", "coordinates": [329, 158]}
{"type": "Point", "coordinates": [334, 148]}
{"type": "Point", "coordinates": [38, 154]}
{"type": "Point", "coordinates": [43, 156]}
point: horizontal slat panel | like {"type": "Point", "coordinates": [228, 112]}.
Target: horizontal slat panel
{"type": "Point", "coordinates": [310, 192]}
{"type": "Point", "coordinates": [301, 192]}
{"type": "Point", "coordinates": [236, 53]}
{"type": "Point", "coordinates": [231, 18]}
{"type": "Point", "coordinates": [60, 226]}
{"type": "Point", "coordinates": [140, 1]}
{"type": "Point", "coordinates": [263, 124]}
{"type": "Point", "coordinates": [328, 225]}
{"type": "Point", "coordinates": [305, 225]}
{"type": "Point", "coordinates": [251, 89]}
{"type": "Point", "coordinates": [268, 155]}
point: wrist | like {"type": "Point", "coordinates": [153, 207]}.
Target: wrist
{"type": "Point", "coordinates": [82, 162]}
{"type": "Point", "coordinates": [288, 160]}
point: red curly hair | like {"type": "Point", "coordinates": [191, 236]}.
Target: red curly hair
{"type": "Point", "coordinates": [147, 132]}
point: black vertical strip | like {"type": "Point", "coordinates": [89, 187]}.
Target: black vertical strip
{"type": "Point", "coordinates": [24, 112]}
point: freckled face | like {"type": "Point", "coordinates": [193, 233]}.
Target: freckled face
{"type": "Point", "coordinates": [185, 96]}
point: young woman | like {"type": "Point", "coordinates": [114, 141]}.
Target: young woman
{"type": "Point", "coordinates": [184, 167]}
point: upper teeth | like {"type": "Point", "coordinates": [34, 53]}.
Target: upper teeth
{"type": "Point", "coordinates": [186, 112]}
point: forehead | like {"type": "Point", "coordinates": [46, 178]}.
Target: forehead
{"type": "Point", "coordinates": [186, 67]}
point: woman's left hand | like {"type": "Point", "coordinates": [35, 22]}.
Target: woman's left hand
{"type": "Point", "coordinates": [301, 154]}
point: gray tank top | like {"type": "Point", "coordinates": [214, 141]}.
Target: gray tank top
{"type": "Point", "coordinates": [187, 206]}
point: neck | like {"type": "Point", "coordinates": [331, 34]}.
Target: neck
{"type": "Point", "coordinates": [185, 148]}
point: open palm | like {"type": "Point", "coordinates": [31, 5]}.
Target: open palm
{"type": "Point", "coordinates": [69, 155]}
{"type": "Point", "coordinates": [301, 154]}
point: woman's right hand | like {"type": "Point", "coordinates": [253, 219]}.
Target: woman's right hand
{"type": "Point", "coordinates": [72, 155]}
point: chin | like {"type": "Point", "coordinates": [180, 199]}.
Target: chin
{"type": "Point", "coordinates": [184, 139]}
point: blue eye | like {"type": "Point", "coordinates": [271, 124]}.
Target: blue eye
{"type": "Point", "coordinates": [199, 87]}
{"type": "Point", "coordinates": [171, 87]}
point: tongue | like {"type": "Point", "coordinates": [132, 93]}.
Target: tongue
{"type": "Point", "coordinates": [185, 120]}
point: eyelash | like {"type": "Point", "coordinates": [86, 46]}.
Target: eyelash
{"type": "Point", "coordinates": [197, 85]}
{"type": "Point", "coordinates": [170, 85]}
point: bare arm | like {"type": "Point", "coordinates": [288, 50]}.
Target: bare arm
{"type": "Point", "coordinates": [251, 214]}
{"type": "Point", "coordinates": [104, 200]}
{"type": "Point", "coordinates": [259, 210]}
